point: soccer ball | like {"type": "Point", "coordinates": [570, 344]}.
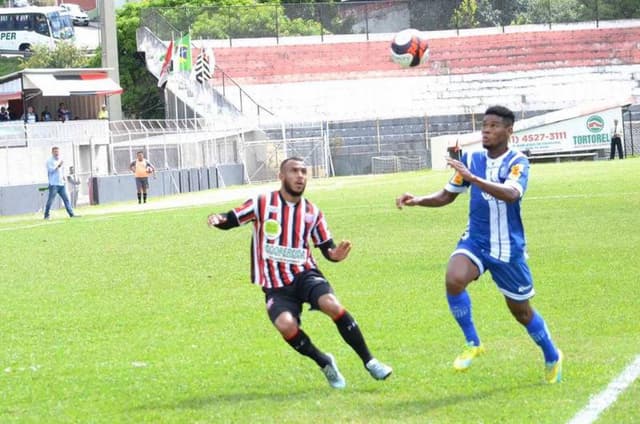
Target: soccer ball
{"type": "Point", "coordinates": [409, 48]}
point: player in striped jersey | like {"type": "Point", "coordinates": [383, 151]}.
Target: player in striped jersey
{"type": "Point", "coordinates": [494, 239]}
{"type": "Point", "coordinates": [282, 263]}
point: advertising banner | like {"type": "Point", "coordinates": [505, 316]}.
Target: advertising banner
{"type": "Point", "coordinates": [587, 132]}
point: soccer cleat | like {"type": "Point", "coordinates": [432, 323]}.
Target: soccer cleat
{"type": "Point", "coordinates": [553, 370]}
{"type": "Point", "coordinates": [378, 370]}
{"type": "Point", "coordinates": [470, 352]}
{"type": "Point", "coordinates": [335, 379]}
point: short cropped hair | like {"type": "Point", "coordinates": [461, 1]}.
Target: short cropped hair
{"type": "Point", "coordinates": [291, 159]}
{"type": "Point", "coordinates": [508, 117]}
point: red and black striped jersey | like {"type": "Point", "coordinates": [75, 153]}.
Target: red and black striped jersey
{"type": "Point", "coordinates": [281, 232]}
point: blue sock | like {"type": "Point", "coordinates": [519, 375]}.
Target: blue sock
{"type": "Point", "coordinates": [538, 331]}
{"type": "Point", "coordinates": [460, 307]}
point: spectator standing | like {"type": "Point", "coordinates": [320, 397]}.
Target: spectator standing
{"type": "Point", "coordinates": [142, 168]}
{"type": "Point", "coordinates": [56, 182]}
{"type": "Point", "coordinates": [30, 116]}
{"type": "Point", "coordinates": [74, 183]}
{"type": "Point", "coordinates": [4, 114]}
{"type": "Point", "coordinates": [103, 113]}
{"type": "Point", "coordinates": [64, 114]}
{"type": "Point", "coordinates": [45, 116]}
{"type": "Point", "coordinates": [616, 140]}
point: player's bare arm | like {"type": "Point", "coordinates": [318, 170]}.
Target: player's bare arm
{"type": "Point", "coordinates": [437, 199]}
{"type": "Point", "coordinates": [500, 191]}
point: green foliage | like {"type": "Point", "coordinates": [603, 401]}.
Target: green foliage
{"type": "Point", "coordinates": [613, 9]}
{"type": "Point", "coordinates": [148, 316]}
{"type": "Point", "coordinates": [64, 55]}
{"type": "Point", "coordinates": [9, 65]}
{"type": "Point", "coordinates": [545, 11]}
{"type": "Point", "coordinates": [141, 97]}
{"type": "Point", "coordinates": [465, 15]}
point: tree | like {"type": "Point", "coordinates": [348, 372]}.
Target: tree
{"type": "Point", "coordinates": [546, 11]}
{"type": "Point", "coordinates": [204, 19]}
{"type": "Point", "coordinates": [610, 9]}
{"type": "Point", "coordinates": [64, 55]}
{"type": "Point", "coordinates": [465, 15]}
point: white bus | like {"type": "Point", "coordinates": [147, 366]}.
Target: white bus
{"type": "Point", "coordinates": [21, 28]}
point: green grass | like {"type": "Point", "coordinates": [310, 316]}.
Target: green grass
{"type": "Point", "coordinates": [149, 317]}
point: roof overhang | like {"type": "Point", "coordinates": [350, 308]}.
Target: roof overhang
{"type": "Point", "coordinates": [58, 82]}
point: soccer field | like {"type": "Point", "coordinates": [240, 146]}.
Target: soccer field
{"type": "Point", "coordinates": [149, 316]}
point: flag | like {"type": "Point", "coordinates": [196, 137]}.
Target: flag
{"type": "Point", "coordinates": [184, 53]}
{"type": "Point", "coordinates": [202, 69]}
{"type": "Point", "coordinates": [166, 65]}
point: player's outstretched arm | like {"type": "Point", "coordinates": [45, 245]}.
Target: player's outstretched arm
{"type": "Point", "coordinates": [437, 199]}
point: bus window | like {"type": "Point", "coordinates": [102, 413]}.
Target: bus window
{"type": "Point", "coordinates": [23, 22]}
{"type": "Point", "coordinates": [6, 23]}
{"type": "Point", "coordinates": [41, 25]}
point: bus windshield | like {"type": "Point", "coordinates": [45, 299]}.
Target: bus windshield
{"type": "Point", "coordinates": [61, 25]}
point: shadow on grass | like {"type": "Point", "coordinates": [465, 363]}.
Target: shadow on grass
{"type": "Point", "coordinates": [423, 404]}
{"type": "Point", "coordinates": [237, 399]}
{"type": "Point", "coordinates": [419, 405]}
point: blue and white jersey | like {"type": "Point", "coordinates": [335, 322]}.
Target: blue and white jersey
{"type": "Point", "coordinates": [495, 225]}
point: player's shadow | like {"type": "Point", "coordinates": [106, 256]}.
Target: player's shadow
{"type": "Point", "coordinates": [235, 399]}
{"type": "Point", "coordinates": [417, 405]}
{"type": "Point", "coordinates": [422, 405]}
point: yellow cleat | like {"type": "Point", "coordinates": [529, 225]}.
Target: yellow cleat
{"type": "Point", "coordinates": [470, 352]}
{"type": "Point", "coordinates": [553, 370]}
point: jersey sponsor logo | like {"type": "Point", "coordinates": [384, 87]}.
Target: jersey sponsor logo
{"type": "Point", "coordinates": [272, 209]}
{"type": "Point", "coordinates": [290, 255]}
{"type": "Point", "coordinates": [308, 218]}
{"type": "Point", "coordinates": [272, 229]}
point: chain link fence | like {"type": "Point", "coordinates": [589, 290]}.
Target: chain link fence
{"type": "Point", "coordinates": [268, 20]}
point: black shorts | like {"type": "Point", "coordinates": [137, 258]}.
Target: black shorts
{"type": "Point", "coordinates": [142, 183]}
{"type": "Point", "coordinates": [307, 287]}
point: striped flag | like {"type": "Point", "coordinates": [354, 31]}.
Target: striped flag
{"type": "Point", "coordinates": [203, 67]}
{"type": "Point", "coordinates": [166, 65]}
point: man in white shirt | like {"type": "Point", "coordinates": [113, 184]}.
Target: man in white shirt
{"type": "Point", "coordinates": [616, 140]}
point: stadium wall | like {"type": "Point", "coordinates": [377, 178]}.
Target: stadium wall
{"type": "Point", "coordinates": [529, 68]}
{"type": "Point", "coordinates": [449, 55]}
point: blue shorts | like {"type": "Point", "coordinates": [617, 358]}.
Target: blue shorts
{"type": "Point", "coordinates": [512, 278]}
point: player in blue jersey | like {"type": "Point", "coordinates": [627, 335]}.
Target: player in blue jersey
{"type": "Point", "coordinates": [494, 239]}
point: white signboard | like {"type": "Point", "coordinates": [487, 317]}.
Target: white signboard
{"type": "Point", "coordinates": [586, 132]}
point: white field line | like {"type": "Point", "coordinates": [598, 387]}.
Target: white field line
{"type": "Point", "coordinates": [608, 396]}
